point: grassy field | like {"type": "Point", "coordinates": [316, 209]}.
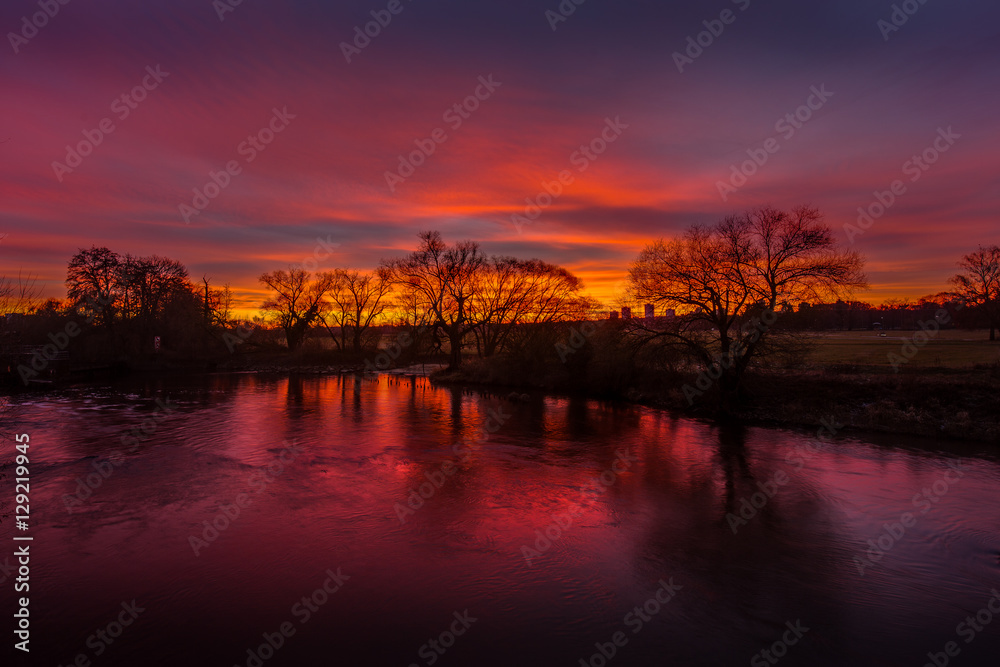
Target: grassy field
{"type": "Point", "coordinates": [948, 349]}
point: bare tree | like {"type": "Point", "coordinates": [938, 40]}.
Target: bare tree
{"type": "Point", "coordinates": [298, 301]}
{"type": "Point", "coordinates": [511, 293]}
{"type": "Point", "coordinates": [19, 295]}
{"type": "Point", "coordinates": [92, 280]}
{"type": "Point", "coordinates": [146, 285]}
{"type": "Point", "coordinates": [727, 280]}
{"type": "Point", "coordinates": [222, 304]}
{"type": "Point", "coordinates": [978, 285]}
{"type": "Point", "coordinates": [441, 280]}
{"type": "Point", "coordinates": [216, 304]}
{"type": "Point", "coordinates": [357, 300]}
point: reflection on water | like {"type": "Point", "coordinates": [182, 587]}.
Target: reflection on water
{"type": "Point", "coordinates": [374, 518]}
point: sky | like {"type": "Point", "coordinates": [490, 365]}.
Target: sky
{"type": "Point", "coordinates": [655, 117]}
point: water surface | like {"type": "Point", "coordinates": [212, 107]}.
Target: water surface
{"type": "Point", "coordinates": [329, 471]}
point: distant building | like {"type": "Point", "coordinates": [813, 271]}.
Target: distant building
{"type": "Point", "coordinates": [650, 311]}
{"type": "Point", "coordinates": [626, 313]}
{"type": "Point", "coordinates": [613, 315]}
{"type": "Point", "coordinates": [670, 313]}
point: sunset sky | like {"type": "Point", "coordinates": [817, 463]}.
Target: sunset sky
{"type": "Point", "coordinates": [889, 95]}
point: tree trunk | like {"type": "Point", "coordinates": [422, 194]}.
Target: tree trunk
{"type": "Point", "coordinates": [208, 318]}
{"type": "Point", "coordinates": [455, 342]}
{"type": "Point", "coordinates": [293, 337]}
{"type": "Point", "coordinates": [730, 394]}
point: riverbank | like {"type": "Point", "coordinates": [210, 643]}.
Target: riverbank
{"type": "Point", "coordinates": [301, 362]}
{"type": "Point", "coordinates": [942, 403]}
{"type": "Point", "coordinates": [960, 404]}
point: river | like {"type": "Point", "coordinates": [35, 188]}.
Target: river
{"type": "Point", "coordinates": [248, 519]}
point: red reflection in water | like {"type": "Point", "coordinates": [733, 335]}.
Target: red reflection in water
{"type": "Point", "coordinates": [519, 526]}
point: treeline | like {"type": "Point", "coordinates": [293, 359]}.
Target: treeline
{"type": "Point", "coordinates": [718, 280]}
{"type": "Point", "coordinates": [123, 308]}
{"type": "Point", "coordinates": [456, 292]}
{"type": "Point", "coordinates": [890, 315]}
{"type": "Point", "coordinates": [729, 300]}
{"type": "Point", "coordinates": [118, 309]}
{"type": "Point", "coordinates": [974, 303]}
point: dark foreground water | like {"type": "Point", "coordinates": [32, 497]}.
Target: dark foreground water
{"type": "Point", "coordinates": [576, 528]}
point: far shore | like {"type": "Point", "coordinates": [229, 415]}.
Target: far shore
{"type": "Point", "coordinates": [949, 403]}
{"type": "Point", "coordinates": [945, 404]}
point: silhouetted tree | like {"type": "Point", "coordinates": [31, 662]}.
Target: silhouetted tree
{"type": "Point", "coordinates": [146, 285]}
{"type": "Point", "coordinates": [221, 305]}
{"type": "Point", "coordinates": [726, 280]}
{"type": "Point", "coordinates": [92, 282]}
{"type": "Point", "coordinates": [298, 301]}
{"type": "Point", "coordinates": [18, 295]}
{"type": "Point", "coordinates": [357, 299]}
{"type": "Point", "coordinates": [978, 285]}
{"type": "Point", "coordinates": [441, 280]}
{"type": "Point", "coordinates": [511, 293]}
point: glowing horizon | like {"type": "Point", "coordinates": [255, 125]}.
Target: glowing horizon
{"type": "Point", "coordinates": [817, 105]}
